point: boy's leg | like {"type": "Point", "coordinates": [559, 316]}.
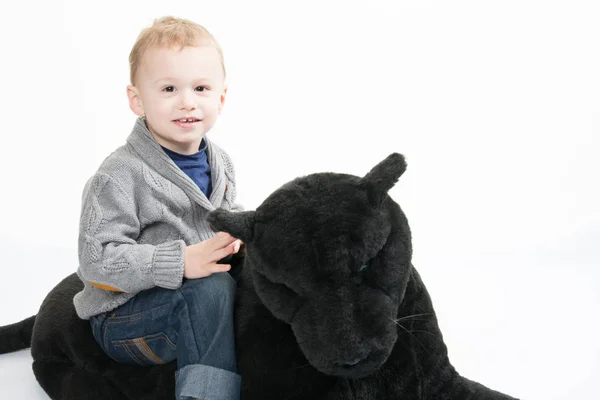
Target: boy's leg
{"type": "Point", "coordinates": [207, 367]}
{"type": "Point", "coordinates": [193, 324]}
{"type": "Point", "coordinates": [140, 332]}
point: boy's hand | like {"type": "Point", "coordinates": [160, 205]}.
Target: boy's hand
{"type": "Point", "coordinates": [200, 259]}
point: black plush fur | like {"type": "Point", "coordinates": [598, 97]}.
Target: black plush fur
{"type": "Point", "coordinates": [329, 307]}
{"type": "Point", "coordinates": [16, 336]}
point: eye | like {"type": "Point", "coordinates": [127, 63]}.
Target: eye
{"type": "Point", "coordinates": [358, 278]}
{"type": "Point", "coordinates": [169, 89]}
{"type": "Point", "coordinates": [202, 88]}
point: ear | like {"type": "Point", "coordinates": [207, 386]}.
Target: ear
{"type": "Point", "coordinates": [222, 99]}
{"type": "Point", "coordinates": [135, 101]}
{"type": "Point", "coordinates": [238, 224]}
{"type": "Point", "coordinates": [383, 177]}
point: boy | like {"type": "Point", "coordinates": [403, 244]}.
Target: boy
{"type": "Point", "coordinates": [153, 290]}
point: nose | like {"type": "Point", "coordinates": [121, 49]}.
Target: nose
{"type": "Point", "coordinates": [188, 101]}
{"type": "Point", "coordinates": [351, 362]}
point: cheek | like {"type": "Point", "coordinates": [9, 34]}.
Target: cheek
{"type": "Point", "coordinates": [165, 106]}
{"type": "Point", "coordinates": [157, 106]}
{"type": "Point", "coordinates": [211, 107]}
{"type": "Point", "coordinates": [278, 298]}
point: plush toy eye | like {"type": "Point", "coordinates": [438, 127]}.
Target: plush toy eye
{"type": "Point", "coordinates": [363, 268]}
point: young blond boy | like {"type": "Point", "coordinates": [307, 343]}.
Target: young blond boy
{"type": "Point", "coordinates": [153, 290]}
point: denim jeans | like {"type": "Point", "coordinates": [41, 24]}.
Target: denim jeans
{"type": "Point", "coordinates": [192, 324]}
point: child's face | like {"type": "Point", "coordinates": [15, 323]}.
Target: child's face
{"type": "Point", "coordinates": [172, 84]}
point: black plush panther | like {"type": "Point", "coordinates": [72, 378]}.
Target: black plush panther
{"type": "Point", "coordinates": [329, 307]}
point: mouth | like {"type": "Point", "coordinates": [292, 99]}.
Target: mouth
{"type": "Point", "coordinates": [186, 122]}
{"type": "Point", "coordinates": [355, 369]}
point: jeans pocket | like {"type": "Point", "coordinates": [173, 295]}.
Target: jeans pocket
{"type": "Point", "coordinates": [149, 350]}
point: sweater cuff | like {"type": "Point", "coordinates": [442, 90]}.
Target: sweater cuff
{"type": "Point", "coordinates": [168, 264]}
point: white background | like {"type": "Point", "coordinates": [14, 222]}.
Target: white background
{"type": "Point", "coordinates": [496, 106]}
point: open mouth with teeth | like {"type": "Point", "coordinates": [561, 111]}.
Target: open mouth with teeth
{"type": "Point", "coordinates": [186, 120]}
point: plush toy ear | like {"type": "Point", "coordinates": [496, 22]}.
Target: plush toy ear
{"type": "Point", "coordinates": [383, 177]}
{"type": "Point", "coordinates": [238, 224]}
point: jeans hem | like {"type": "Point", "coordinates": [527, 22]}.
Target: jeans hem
{"type": "Point", "coordinates": [207, 383]}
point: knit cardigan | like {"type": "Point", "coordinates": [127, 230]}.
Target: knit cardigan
{"type": "Point", "coordinates": [139, 211]}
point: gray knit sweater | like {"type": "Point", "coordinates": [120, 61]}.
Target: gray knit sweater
{"type": "Point", "coordinates": [138, 213]}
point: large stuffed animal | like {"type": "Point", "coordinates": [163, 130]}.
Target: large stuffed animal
{"type": "Point", "coordinates": [329, 307]}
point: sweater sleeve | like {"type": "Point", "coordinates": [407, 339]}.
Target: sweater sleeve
{"type": "Point", "coordinates": [109, 256]}
{"type": "Point", "coordinates": [230, 172]}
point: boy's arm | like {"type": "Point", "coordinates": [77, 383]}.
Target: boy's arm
{"type": "Point", "coordinates": [109, 256]}
{"type": "Point", "coordinates": [230, 172]}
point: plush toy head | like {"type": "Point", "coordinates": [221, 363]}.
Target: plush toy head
{"type": "Point", "coordinates": [330, 255]}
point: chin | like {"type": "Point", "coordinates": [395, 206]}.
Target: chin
{"type": "Point", "coordinates": [333, 364]}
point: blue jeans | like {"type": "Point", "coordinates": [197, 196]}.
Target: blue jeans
{"type": "Point", "coordinates": [192, 324]}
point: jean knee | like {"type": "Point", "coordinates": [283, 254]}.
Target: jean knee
{"type": "Point", "coordinates": [219, 288]}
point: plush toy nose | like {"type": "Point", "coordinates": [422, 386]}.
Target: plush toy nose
{"type": "Point", "coordinates": [351, 363]}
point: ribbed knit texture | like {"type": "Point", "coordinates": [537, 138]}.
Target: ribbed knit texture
{"type": "Point", "coordinates": [168, 272]}
{"type": "Point", "coordinates": [139, 211]}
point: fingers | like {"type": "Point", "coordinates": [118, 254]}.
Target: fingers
{"type": "Point", "coordinates": [235, 246]}
{"type": "Point", "coordinates": [232, 248]}
{"type": "Point", "coordinates": [216, 268]}
{"type": "Point", "coordinates": [207, 270]}
{"type": "Point", "coordinates": [221, 245]}
{"type": "Point", "coordinates": [220, 240]}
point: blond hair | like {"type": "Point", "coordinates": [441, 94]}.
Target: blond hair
{"type": "Point", "coordinates": [170, 32]}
